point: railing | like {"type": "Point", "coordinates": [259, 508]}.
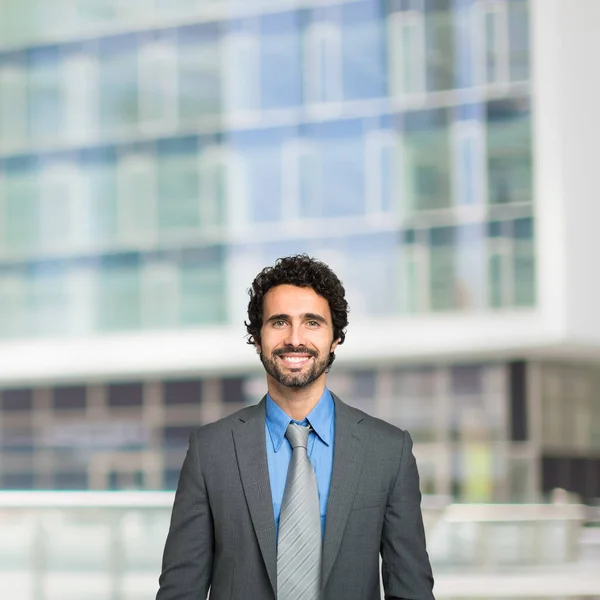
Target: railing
{"type": "Point", "coordinates": [108, 546]}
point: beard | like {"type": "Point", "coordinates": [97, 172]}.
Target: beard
{"type": "Point", "coordinates": [299, 379]}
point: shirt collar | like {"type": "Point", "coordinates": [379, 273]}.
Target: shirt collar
{"type": "Point", "coordinates": [320, 419]}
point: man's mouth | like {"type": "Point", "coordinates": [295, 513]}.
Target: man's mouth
{"type": "Point", "coordinates": [295, 360]}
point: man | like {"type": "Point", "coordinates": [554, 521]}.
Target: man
{"type": "Point", "coordinates": [295, 498]}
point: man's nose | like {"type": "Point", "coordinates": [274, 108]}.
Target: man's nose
{"type": "Point", "coordinates": [295, 336]}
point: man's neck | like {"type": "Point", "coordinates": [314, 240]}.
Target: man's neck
{"type": "Point", "coordinates": [296, 402]}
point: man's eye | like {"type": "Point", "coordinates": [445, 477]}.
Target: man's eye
{"type": "Point", "coordinates": [279, 323]}
{"type": "Point", "coordinates": [313, 323]}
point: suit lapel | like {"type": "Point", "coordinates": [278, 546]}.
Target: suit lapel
{"type": "Point", "coordinates": [347, 464]}
{"type": "Point", "coordinates": [250, 444]}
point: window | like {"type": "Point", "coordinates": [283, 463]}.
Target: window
{"type": "Point", "coordinates": [160, 295]}
{"type": "Point", "coordinates": [440, 49]}
{"type": "Point", "coordinates": [519, 42]}
{"type": "Point", "coordinates": [199, 72]}
{"type": "Point", "coordinates": [524, 263]}
{"type": "Point", "coordinates": [202, 288]}
{"type": "Point", "coordinates": [137, 194]}
{"type": "Point", "coordinates": [406, 53]}
{"type": "Point", "coordinates": [80, 99]}
{"type": "Point", "coordinates": [119, 292]}
{"type": "Point", "coordinates": [177, 436]}
{"type": "Point", "coordinates": [214, 181]}
{"type": "Point", "coordinates": [426, 160]}
{"type": "Point", "coordinates": [13, 101]}
{"type": "Point", "coordinates": [158, 81]}
{"type": "Point", "coordinates": [13, 317]}
{"type": "Point", "coordinates": [125, 394]}
{"type": "Point", "coordinates": [45, 100]}
{"type": "Point", "coordinates": [382, 173]}
{"type": "Point", "coordinates": [69, 398]}
{"type": "Point", "coordinates": [118, 85]}
{"type": "Point", "coordinates": [21, 204]}
{"type": "Point", "coordinates": [442, 268]}
{"type": "Point", "coordinates": [17, 400]}
{"type": "Point", "coordinates": [342, 161]}
{"type": "Point", "coordinates": [241, 74]}
{"type": "Point", "coordinates": [470, 265]}
{"type": "Point", "coordinates": [323, 75]}
{"type": "Point", "coordinates": [98, 168]}
{"type": "Point", "coordinates": [469, 152]}
{"type": "Point", "coordinates": [178, 185]}
{"type": "Point", "coordinates": [281, 60]}
{"type": "Point", "coordinates": [363, 48]}
{"type": "Point", "coordinates": [47, 299]}
{"type": "Point", "coordinates": [182, 392]}
{"type": "Point", "coordinates": [509, 152]}
{"type": "Point", "coordinates": [491, 34]}
{"type": "Point", "coordinates": [60, 203]}
{"type": "Point", "coordinates": [233, 390]}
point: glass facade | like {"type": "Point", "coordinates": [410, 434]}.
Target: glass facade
{"type": "Point", "coordinates": [133, 435]}
{"type": "Point", "coordinates": [147, 148]}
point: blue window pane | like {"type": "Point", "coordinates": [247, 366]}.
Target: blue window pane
{"type": "Point", "coordinates": [202, 287]}
{"type": "Point", "coordinates": [119, 107]}
{"type": "Point", "coordinates": [119, 292]}
{"type": "Point", "coordinates": [45, 92]}
{"type": "Point", "coordinates": [19, 440]}
{"type": "Point", "coordinates": [363, 51]}
{"type": "Point", "coordinates": [343, 174]}
{"type": "Point", "coordinates": [71, 481]}
{"type": "Point", "coordinates": [470, 266]}
{"type": "Point", "coordinates": [178, 184]}
{"type": "Point", "coordinates": [442, 268]}
{"type": "Point", "coordinates": [21, 202]}
{"type": "Point", "coordinates": [519, 41]}
{"type": "Point", "coordinates": [47, 299]}
{"type": "Point", "coordinates": [427, 160]}
{"type": "Point", "coordinates": [18, 481]}
{"type": "Point", "coordinates": [439, 41]}
{"type": "Point", "coordinates": [509, 151]}
{"type": "Point", "coordinates": [523, 229]}
{"type": "Point", "coordinates": [199, 71]}
{"type": "Point", "coordinates": [281, 61]}
{"type": "Point", "coordinates": [98, 167]}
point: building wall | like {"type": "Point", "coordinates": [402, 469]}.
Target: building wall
{"type": "Point", "coordinates": [145, 177]}
{"type": "Point", "coordinates": [471, 439]}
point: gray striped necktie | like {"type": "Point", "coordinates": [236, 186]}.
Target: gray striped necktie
{"type": "Point", "coordinates": [299, 542]}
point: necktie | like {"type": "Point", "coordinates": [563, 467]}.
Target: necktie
{"type": "Point", "coordinates": [299, 542]}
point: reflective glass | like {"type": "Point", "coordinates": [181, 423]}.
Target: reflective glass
{"type": "Point", "coordinates": [509, 151]}
{"type": "Point", "coordinates": [426, 151]}
{"type": "Point", "coordinates": [199, 72]}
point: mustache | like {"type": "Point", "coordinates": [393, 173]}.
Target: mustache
{"type": "Point", "coordinates": [295, 350]}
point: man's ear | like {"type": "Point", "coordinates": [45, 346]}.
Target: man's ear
{"type": "Point", "coordinates": [334, 345]}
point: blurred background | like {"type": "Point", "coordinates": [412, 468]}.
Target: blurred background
{"type": "Point", "coordinates": [440, 155]}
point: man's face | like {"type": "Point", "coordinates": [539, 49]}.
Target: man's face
{"type": "Point", "coordinates": [296, 336]}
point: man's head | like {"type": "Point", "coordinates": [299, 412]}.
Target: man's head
{"type": "Point", "coordinates": [297, 316]}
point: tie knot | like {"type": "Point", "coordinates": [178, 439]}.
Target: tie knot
{"type": "Point", "coordinates": [297, 435]}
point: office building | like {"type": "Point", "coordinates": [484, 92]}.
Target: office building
{"type": "Point", "coordinates": [154, 156]}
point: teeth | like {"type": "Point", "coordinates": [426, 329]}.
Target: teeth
{"type": "Point", "coordinates": [296, 359]}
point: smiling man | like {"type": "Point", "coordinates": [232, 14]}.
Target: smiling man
{"type": "Point", "coordinates": [297, 497]}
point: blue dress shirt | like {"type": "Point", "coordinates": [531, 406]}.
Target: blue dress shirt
{"type": "Point", "coordinates": [320, 450]}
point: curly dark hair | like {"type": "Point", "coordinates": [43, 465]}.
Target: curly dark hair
{"type": "Point", "coordinates": [303, 271]}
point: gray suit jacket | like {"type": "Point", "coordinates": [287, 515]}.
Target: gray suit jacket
{"type": "Point", "coordinates": [222, 533]}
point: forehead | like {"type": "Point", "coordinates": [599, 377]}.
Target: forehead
{"type": "Point", "coordinates": [293, 300]}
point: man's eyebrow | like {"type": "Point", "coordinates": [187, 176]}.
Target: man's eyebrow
{"type": "Point", "coordinates": [305, 317]}
{"type": "Point", "coordinates": [314, 317]}
{"type": "Point", "coordinates": [279, 317]}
